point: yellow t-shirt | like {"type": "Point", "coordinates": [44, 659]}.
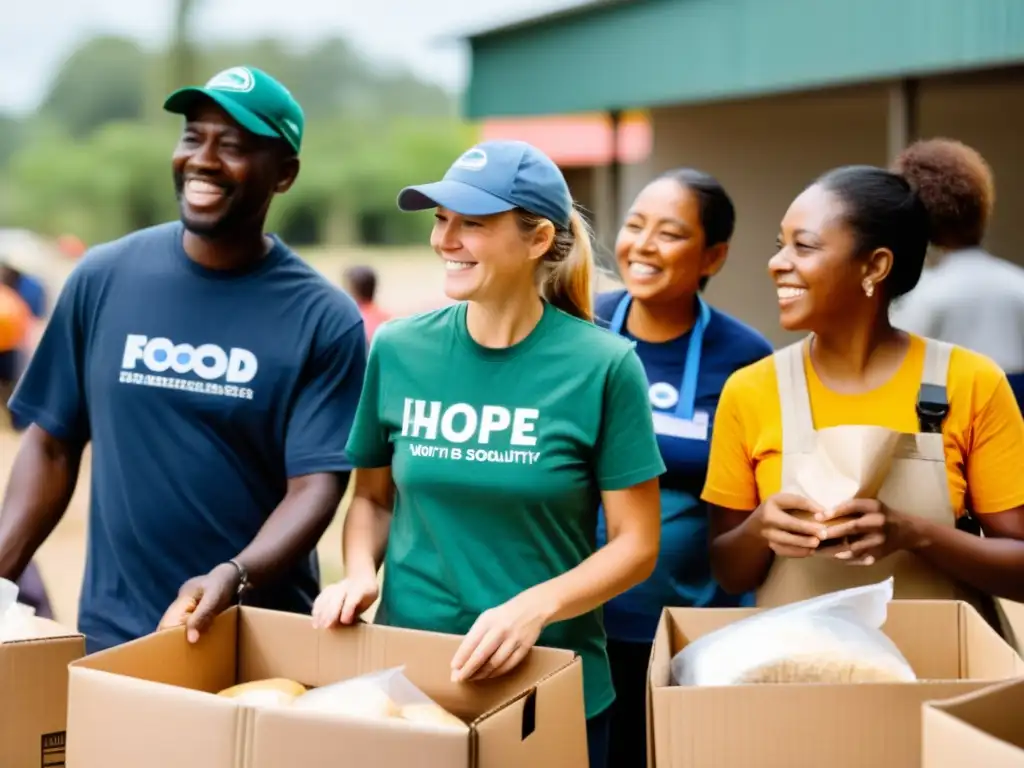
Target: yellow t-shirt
{"type": "Point", "coordinates": [983, 432]}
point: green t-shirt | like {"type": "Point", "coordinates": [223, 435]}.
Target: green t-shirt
{"type": "Point", "coordinates": [498, 458]}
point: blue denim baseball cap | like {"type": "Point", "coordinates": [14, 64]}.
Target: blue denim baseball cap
{"type": "Point", "coordinates": [494, 177]}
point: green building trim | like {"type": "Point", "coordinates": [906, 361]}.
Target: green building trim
{"type": "Point", "coordinates": [612, 55]}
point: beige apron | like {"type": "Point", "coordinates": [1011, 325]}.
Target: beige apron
{"type": "Point", "coordinates": [916, 484]}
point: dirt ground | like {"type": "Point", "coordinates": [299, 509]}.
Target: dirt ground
{"type": "Point", "coordinates": [409, 280]}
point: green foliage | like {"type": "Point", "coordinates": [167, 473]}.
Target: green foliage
{"type": "Point", "coordinates": [103, 81]}
{"type": "Point", "coordinates": [95, 160]}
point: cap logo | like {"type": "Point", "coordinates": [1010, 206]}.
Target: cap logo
{"type": "Point", "coordinates": [472, 160]}
{"type": "Point", "coordinates": [238, 79]}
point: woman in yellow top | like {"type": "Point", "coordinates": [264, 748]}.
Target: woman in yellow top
{"type": "Point", "coordinates": [849, 244]}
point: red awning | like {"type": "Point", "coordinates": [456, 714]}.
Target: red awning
{"type": "Point", "coordinates": [576, 140]}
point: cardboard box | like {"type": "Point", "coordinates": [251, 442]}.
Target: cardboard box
{"type": "Point", "coordinates": [34, 695]}
{"type": "Point", "coordinates": [983, 728]}
{"type": "Point", "coordinates": [148, 702]}
{"type": "Point", "coordinates": [951, 648]}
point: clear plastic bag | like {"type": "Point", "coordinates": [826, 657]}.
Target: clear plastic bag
{"type": "Point", "coordinates": [387, 694]}
{"type": "Point", "coordinates": [834, 638]}
{"type": "Point", "coordinates": [15, 618]}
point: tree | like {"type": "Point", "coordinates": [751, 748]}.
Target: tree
{"type": "Point", "coordinates": [182, 54]}
{"type": "Point", "coordinates": [101, 82]}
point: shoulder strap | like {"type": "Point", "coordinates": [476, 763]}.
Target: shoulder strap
{"type": "Point", "coordinates": [795, 403]}
{"type": "Point", "coordinates": [932, 398]}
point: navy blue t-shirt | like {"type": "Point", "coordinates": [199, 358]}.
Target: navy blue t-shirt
{"type": "Point", "coordinates": [682, 576]}
{"type": "Point", "coordinates": [202, 392]}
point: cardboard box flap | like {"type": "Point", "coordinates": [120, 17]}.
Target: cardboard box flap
{"type": "Point", "coordinates": [311, 740]}
{"type": "Point", "coordinates": [41, 630]}
{"type": "Point", "coordinates": [984, 655]}
{"type": "Point", "coordinates": [168, 658]}
{"type": "Point", "coordinates": [152, 720]}
{"type": "Point", "coordinates": [532, 729]}
{"type": "Point", "coordinates": [996, 712]}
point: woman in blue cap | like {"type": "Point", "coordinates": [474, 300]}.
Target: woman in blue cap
{"type": "Point", "coordinates": [674, 239]}
{"type": "Point", "coordinates": [489, 431]}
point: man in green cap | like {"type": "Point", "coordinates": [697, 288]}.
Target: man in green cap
{"type": "Point", "coordinates": [215, 374]}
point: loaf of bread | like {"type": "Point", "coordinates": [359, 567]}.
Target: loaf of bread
{"type": "Point", "coordinates": [356, 698]}
{"type": "Point", "coordinates": [275, 692]}
{"type": "Point", "coordinates": [429, 713]}
{"type": "Point", "coordinates": [828, 668]}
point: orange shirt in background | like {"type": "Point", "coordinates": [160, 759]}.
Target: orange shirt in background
{"type": "Point", "coordinates": [15, 319]}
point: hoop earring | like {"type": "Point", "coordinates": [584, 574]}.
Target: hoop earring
{"type": "Point", "coordinates": [869, 288]}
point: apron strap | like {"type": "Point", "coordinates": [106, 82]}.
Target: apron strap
{"type": "Point", "coordinates": [795, 403]}
{"type": "Point", "coordinates": [932, 398]}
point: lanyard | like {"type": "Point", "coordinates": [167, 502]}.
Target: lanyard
{"type": "Point", "coordinates": [688, 385]}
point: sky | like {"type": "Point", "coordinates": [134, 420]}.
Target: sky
{"type": "Point", "coordinates": [35, 36]}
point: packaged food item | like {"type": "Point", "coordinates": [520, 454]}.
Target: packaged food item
{"type": "Point", "coordinates": [384, 695]}
{"type": "Point", "coordinates": [833, 638]}
{"type": "Point", "coordinates": [274, 692]}
{"type": "Point", "coordinates": [15, 618]}
{"type": "Point", "coordinates": [431, 714]}
{"type": "Point", "coordinates": [359, 697]}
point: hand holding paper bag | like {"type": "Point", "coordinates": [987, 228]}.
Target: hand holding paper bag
{"type": "Point", "coordinates": [844, 475]}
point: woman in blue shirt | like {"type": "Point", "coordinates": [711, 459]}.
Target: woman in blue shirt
{"type": "Point", "coordinates": [674, 239]}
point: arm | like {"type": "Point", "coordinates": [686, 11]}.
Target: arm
{"type": "Point", "coordinates": [627, 466]}
{"type": "Point", "coordinates": [747, 532]}
{"type": "Point", "coordinates": [294, 527]}
{"type": "Point", "coordinates": [318, 467]}
{"type": "Point", "coordinates": [41, 484]}
{"type": "Point", "coordinates": [368, 523]}
{"type": "Point", "coordinates": [364, 542]}
{"type": "Point", "coordinates": [993, 564]}
{"type": "Point", "coordinates": [629, 557]}
{"type": "Point", "coordinates": [740, 556]}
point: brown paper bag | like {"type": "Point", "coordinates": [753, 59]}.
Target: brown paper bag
{"type": "Point", "coordinates": [848, 462]}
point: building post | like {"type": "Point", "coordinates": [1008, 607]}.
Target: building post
{"type": "Point", "coordinates": [615, 168]}
{"type": "Point", "coordinates": [902, 116]}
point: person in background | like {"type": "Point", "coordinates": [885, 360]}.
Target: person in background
{"type": "Point", "coordinates": [33, 293]}
{"type": "Point", "coordinates": [488, 432]}
{"type": "Point", "coordinates": [215, 374]}
{"type": "Point", "coordinates": [361, 284]}
{"type": "Point", "coordinates": [674, 239]}
{"type": "Point", "coordinates": [849, 244]}
{"type": "Point", "coordinates": [15, 318]}
{"type": "Point", "coordinates": [971, 298]}
{"type": "Point", "coordinates": [30, 288]}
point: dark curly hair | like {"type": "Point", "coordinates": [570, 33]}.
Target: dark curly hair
{"type": "Point", "coordinates": [956, 186]}
{"type": "Point", "coordinates": [940, 192]}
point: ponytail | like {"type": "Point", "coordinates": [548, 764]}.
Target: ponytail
{"type": "Point", "coordinates": [568, 266]}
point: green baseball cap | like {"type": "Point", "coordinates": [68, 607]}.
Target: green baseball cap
{"type": "Point", "coordinates": [258, 102]}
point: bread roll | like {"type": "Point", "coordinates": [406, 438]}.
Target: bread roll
{"type": "Point", "coordinates": [432, 714]}
{"type": "Point", "coordinates": [275, 692]}
{"type": "Point", "coordinates": [356, 698]}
